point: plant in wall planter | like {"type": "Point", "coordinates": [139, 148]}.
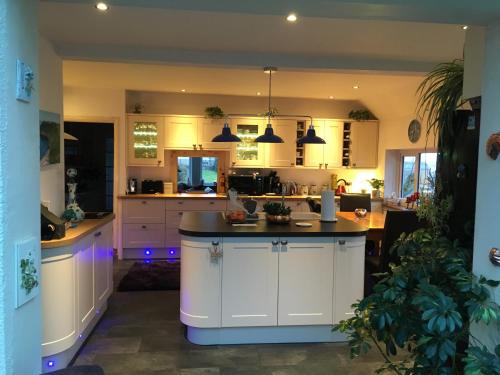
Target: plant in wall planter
{"type": "Point", "coordinates": [376, 184]}
{"type": "Point", "coordinates": [214, 112]}
{"type": "Point", "coordinates": [423, 308]}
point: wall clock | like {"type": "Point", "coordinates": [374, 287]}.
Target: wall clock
{"type": "Point", "coordinates": [414, 131]}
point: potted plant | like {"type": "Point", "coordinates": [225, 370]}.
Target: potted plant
{"type": "Point", "coordinates": [376, 184]}
{"type": "Point", "coordinates": [277, 213]}
{"type": "Point", "coordinates": [361, 115]}
{"type": "Point", "coordinates": [214, 112]}
{"type": "Point", "coordinates": [423, 307]}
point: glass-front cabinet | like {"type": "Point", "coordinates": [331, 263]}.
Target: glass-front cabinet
{"type": "Point", "coordinates": [145, 137]}
{"type": "Point", "coordinates": [248, 153]}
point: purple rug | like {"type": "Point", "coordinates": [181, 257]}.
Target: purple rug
{"type": "Point", "coordinates": [160, 275]}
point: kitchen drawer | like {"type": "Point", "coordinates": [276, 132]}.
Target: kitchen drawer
{"type": "Point", "coordinates": [195, 205]}
{"type": "Point", "coordinates": [143, 211]}
{"type": "Point", "coordinates": [143, 235]}
{"type": "Point", "coordinates": [173, 219]}
{"type": "Point", "coordinates": [172, 238]}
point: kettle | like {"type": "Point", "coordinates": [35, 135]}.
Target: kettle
{"type": "Point", "coordinates": [340, 188]}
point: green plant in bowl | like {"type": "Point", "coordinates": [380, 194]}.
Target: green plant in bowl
{"type": "Point", "coordinates": [277, 213]}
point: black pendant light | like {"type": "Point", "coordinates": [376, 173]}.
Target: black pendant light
{"type": "Point", "coordinates": [226, 135]}
{"type": "Point", "coordinates": [269, 136]}
{"type": "Point", "coordinates": [311, 137]}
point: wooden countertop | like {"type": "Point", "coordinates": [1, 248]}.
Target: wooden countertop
{"type": "Point", "coordinates": [74, 234]}
{"type": "Point", "coordinates": [372, 220]}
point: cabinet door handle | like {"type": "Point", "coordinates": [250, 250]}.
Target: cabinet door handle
{"type": "Point", "coordinates": [275, 243]}
{"type": "Point", "coordinates": [144, 202]}
{"type": "Point", "coordinates": [284, 243]}
{"type": "Point", "coordinates": [326, 165]}
{"type": "Point", "coordinates": [215, 243]}
{"type": "Point", "coordinates": [144, 227]}
{"type": "Point", "coordinates": [200, 146]}
{"type": "Point", "coordinates": [97, 234]}
{"type": "Point", "coordinates": [320, 165]}
{"type": "Point", "coordinates": [194, 146]}
{"type": "Point", "coordinates": [211, 202]}
{"type": "Point", "coordinates": [180, 213]}
{"type": "Point", "coordinates": [342, 242]}
{"type": "Point", "coordinates": [180, 202]}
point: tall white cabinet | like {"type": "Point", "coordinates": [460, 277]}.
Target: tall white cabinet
{"type": "Point", "coordinates": [328, 155]}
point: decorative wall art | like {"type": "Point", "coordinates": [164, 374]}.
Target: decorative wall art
{"type": "Point", "coordinates": [50, 138]}
{"type": "Point", "coordinates": [27, 274]}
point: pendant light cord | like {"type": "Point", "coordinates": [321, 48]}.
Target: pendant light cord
{"type": "Point", "coordinates": [269, 98]}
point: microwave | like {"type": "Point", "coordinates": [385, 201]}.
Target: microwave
{"type": "Point", "coordinates": [247, 184]}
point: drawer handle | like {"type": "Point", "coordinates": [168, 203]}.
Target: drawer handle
{"type": "Point", "coordinates": [275, 243]}
{"type": "Point", "coordinates": [341, 242]}
{"type": "Point", "coordinates": [143, 227]}
{"type": "Point", "coordinates": [211, 202]}
{"type": "Point", "coordinates": [180, 213]}
{"type": "Point", "coordinates": [144, 202]}
{"type": "Point", "coordinates": [215, 243]}
{"type": "Point", "coordinates": [97, 234]}
{"type": "Point", "coordinates": [284, 243]}
{"type": "Point", "coordinates": [180, 202]}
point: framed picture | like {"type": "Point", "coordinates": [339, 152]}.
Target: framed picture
{"type": "Point", "coordinates": [50, 138]}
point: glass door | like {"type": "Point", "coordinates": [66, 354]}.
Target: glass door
{"type": "Point", "coordinates": [145, 140]}
{"type": "Point", "coordinates": [248, 152]}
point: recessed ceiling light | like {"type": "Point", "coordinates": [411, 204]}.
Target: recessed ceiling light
{"type": "Point", "coordinates": [292, 17]}
{"type": "Point", "coordinates": [465, 27]}
{"type": "Point", "coordinates": [102, 6]}
{"type": "Point", "coordinates": [183, 90]}
{"type": "Point", "coordinates": [330, 97]}
{"type": "Point", "coordinates": [355, 87]}
{"type": "Point", "coordinates": [258, 93]}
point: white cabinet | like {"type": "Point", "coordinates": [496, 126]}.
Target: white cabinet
{"type": "Point", "coordinates": [207, 130]}
{"type": "Point", "coordinates": [364, 144]}
{"type": "Point", "coordinates": [247, 153]}
{"type": "Point", "coordinates": [85, 283]}
{"type": "Point", "coordinates": [249, 282]}
{"type": "Point", "coordinates": [144, 236]}
{"type": "Point", "coordinates": [200, 304]}
{"type": "Point", "coordinates": [181, 132]}
{"type": "Point", "coordinates": [305, 300]}
{"type": "Point", "coordinates": [76, 283]}
{"type": "Point", "coordinates": [328, 155]}
{"type": "Point", "coordinates": [348, 283]}
{"type": "Point", "coordinates": [140, 211]}
{"type": "Point", "coordinates": [283, 154]}
{"type": "Point", "coordinates": [332, 133]}
{"type": "Point", "coordinates": [145, 140]}
{"type": "Point", "coordinates": [103, 265]}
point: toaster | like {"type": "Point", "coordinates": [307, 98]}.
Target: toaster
{"type": "Point", "coordinates": [152, 187]}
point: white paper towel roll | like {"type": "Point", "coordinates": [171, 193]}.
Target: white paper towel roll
{"type": "Point", "coordinates": [328, 206]}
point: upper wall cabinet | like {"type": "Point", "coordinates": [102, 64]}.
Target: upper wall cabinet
{"type": "Point", "coordinates": [364, 144]}
{"type": "Point", "coordinates": [181, 132]}
{"type": "Point", "coordinates": [207, 130]}
{"type": "Point", "coordinates": [145, 139]}
{"type": "Point", "coordinates": [283, 154]}
{"type": "Point", "coordinates": [247, 153]}
{"type": "Point", "coordinates": [328, 155]}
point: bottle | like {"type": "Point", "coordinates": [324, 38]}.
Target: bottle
{"type": "Point", "coordinates": [222, 183]}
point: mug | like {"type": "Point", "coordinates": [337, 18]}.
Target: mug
{"type": "Point", "coordinates": [304, 190]}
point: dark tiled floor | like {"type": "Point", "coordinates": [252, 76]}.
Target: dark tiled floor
{"type": "Point", "coordinates": [141, 334]}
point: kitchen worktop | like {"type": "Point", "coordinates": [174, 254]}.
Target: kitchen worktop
{"type": "Point", "coordinates": [74, 234]}
{"type": "Point", "coordinates": [209, 224]}
{"type": "Point", "coordinates": [212, 196]}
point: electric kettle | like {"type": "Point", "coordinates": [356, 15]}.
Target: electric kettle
{"type": "Point", "coordinates": [340, 188]}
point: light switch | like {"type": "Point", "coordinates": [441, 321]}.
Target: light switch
{"type": "Point", "coordinates": [27, 270]}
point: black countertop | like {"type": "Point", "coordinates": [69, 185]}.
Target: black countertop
{"type": "Point", "coordinates": [212, 224]}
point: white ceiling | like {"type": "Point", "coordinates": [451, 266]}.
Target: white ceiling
{"type": "Point", "coordinates": [252, 39]}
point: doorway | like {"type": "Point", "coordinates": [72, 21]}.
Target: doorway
{"type": "Point", "coordinates": [89, 148]}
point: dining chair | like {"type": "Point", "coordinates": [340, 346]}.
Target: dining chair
{"type": "Point", "coordinates": [349, 202]}
{"type": "Point", "coordinates": [396, 223]}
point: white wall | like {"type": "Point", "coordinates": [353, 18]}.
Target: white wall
{"type": "Point", "coordinates": [487, 203]}
{"type": "Point", "coordinates": [473, 61]}
{"type": "Point", "coordinates": [51, 100]}
{"type": "Point", "coordinates": [20, 329]}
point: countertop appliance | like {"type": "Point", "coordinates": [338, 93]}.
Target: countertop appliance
{"type": "Point", "coordinates": [251, 184]}
{"type": "Point", "coordinates": [152, 187]}
{"type": "Point", "coordinates": [341, 189]}
{"type": "Point", "coordinates": [132, 186]}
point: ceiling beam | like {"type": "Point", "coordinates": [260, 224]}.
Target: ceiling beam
{"type": "Point", "coordinates": [133, 54]}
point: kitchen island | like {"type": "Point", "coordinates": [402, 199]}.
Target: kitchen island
{"type": "Point", "coordinates": [268, 283]}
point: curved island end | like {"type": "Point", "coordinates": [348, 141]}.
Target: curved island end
{"type": "Point", "coordinates": [268, 283]}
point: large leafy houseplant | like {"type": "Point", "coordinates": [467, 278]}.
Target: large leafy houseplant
{"type": "Point", "coordinates": [423, 307]}
{"type": "Point", "coordinates": [440, 94]}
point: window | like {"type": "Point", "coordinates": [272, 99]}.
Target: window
{"type": "Point", "coordinates": [418, 173]}
{"type": "Point", "coordinates": [196, 173]}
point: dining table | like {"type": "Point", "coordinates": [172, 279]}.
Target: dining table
{"type": "Point", "coordinates": [374, 221]}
